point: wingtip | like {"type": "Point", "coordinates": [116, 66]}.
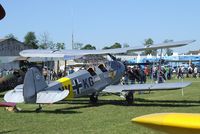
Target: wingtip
{"type": "Point", "coordinates": [193, 40]}
{"type": "Point", "coordinates": [148, 119]}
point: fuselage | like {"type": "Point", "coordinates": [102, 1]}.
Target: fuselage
{"type": "Point", "coordinates": [93, 80]}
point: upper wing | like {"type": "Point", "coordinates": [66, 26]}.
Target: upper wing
{"type": "Point", "coordinates": [146, 87]}
{"type": "Point", "coordinates": [64, 53]}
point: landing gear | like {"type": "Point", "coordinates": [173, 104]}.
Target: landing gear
{"type": "Point", "coordinates": [129, 97]}
{"type": "Point", "coordinates": [94, 98]}
{"type": "Point", "coordinates": [39, 109]}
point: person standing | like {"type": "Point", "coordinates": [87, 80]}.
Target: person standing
{"type": "Point", "coordinates": [45, 73]}
{"type": "Point", "coordinates": [71, 70]}
{"type": "Point", "coordinates": [195, 71]}
{"type": "Point", "coordinates": [131, 75]}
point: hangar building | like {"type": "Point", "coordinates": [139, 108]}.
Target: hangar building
{"type": "Point", "coordinates": [9, 53]}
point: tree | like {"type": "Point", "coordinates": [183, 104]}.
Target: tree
{"type": "Point", "coordinates": [55, 46]}
{"type": "Point", "coordinates": [51, 45]}
{"type": "Point", "coordinates": [125, 45]}
{"type": "Point", "coordinates": [148, 42]}
{"type": "Point", "coordinates": [88, 47]}
{"type": "Point", "coordinates": [168, 51]}
{"type": "Point", "coordinates": [45, 42]}
{"type": "Point", "coordinates": [106, 48]}
{"type": "Point", "coordinates": [116, 45]}
{"type": "Point", "coordinates": [78, 46]}
{"type": "Point", "coordinates": [10, 36]}
{"type": "Point", "coordinates": [60, 46]}
{"type": "Point", "coordinates": [30, 40]}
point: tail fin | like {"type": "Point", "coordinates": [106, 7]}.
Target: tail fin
{"type": "Point", "coordinates": [34, 82]}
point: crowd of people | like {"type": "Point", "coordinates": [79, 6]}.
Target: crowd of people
{"type": "Point", "coordinates": [138, 74]}
{"type": "Point", "coordinates": [133, 75]}
{"type": "Point", "coordinates": [5, 72]}
{"type": "Point", "coordinates": [159, 74]}
{"type": "Point", "coordinates": [50, 74]}
{"type": "Point", "coordinates": [191, 71]}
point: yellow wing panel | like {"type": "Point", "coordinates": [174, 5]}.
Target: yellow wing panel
{"type": "Point", "coordinates": [172, 123]}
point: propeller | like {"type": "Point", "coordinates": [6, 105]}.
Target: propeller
{"type": "Point", "coordinates": [2, 12]}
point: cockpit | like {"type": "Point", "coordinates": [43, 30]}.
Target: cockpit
{"type": "Point", "coordinates": [91, 71]}
{"type": "Point", "coordinates": [102, 68]}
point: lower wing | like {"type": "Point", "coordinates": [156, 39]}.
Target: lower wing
{"type": "Point", "coordinates": [146, 87]}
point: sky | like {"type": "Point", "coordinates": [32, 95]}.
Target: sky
{"type": "Point", "coordinates": [104, 22]}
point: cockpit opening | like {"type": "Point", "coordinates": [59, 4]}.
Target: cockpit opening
{"type": "Point", "coordinates": [102, 68]}
{"type": "Point", "coordinates": [91, 71]}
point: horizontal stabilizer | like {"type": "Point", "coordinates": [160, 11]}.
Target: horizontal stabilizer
{"type": "Point", "coordinates": [172, 123]}
{"type": "Point", "coordinates": [15, 96]}
{"type": "Point", "coordinates": [51, 96]}
{"type": "Point", "coordinates": [146, 87]}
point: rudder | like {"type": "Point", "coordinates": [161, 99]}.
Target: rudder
{"type": "Point", "coordinates": [34, 82]}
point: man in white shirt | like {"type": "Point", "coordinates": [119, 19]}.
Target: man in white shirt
{"type": "Point", "coordinates": [195, 72]}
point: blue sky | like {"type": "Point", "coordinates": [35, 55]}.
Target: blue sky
{"type": "Point", "coordinates": [104, 22]}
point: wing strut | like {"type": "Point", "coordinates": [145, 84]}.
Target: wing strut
{"type": "Point", "coordinates": [112, 57]}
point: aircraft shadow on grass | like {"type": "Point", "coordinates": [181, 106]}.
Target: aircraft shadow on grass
{"type": "Point", "coordinates": [7, 131]}
{"type": "Point", "coordinates": [80, 107]}
{"type": "Point", "coordinates": [80, 104]}
{"type": "Point", "coordinates": [57, 111]}
{"type": "Point", "coordinates": [67, 110]}
{"type": "Point", "coordinates": [168, 101]}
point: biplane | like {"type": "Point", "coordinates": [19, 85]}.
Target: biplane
{"type": "Point", "coordinates": [87, 82]}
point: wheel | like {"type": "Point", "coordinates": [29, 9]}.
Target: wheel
{"type": "Point", "coordinates": [93, 98]}
{"type": "Point", "coordinates": [39, 109]}
{"type": "Point", "coordinates": [129, 97]}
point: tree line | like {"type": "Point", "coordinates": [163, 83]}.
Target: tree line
{"type": "Point", "coordinates": [45, 43]}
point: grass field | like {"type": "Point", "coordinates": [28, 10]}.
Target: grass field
{"type": "Point", "coordinates": [110, 116]}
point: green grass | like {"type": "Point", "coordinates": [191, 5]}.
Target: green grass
{"type": "Point", "coordinates": [110, 116]}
